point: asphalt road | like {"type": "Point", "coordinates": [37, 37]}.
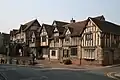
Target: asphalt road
{"type": "Point", "coordinates": [24, 73]}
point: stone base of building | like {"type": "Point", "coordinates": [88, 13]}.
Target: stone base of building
{"type": "Point", "coordinates": [86, 62]}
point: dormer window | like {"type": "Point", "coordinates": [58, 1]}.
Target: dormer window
{"type": "Point", "coordinates": [54, 24]}
{"type": "Point", "coordinates": [55, 30]}
{"type": "Point", "coordinates": [33, 40]}
{"type": "Point", "coordinates": [33, 37]}
{"type": "Point", "coordinates": [43, 38]}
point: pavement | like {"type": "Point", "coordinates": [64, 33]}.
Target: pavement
{"type": "Point", "coordinates": [112, 71]}
{"type": "Point", "coordinates": [57, 64]}
{"type": "Point", "coordinates": [13, 72]}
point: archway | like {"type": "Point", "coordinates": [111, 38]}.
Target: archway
{"type": "Point", "coordinates": [19, 50]}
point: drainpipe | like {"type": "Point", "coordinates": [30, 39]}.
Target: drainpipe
{"type": "Point", "coordinates": [7, 54]}
{"type": "Point", "coordinates": [80, 54]}
{"type": "Point", "coordinates": [49, 54]}
{"type": "Point", "coordinates": [62, 52]}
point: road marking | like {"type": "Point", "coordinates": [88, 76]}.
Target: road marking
{"type": "Point", "coordinates": [110, 75]}
{"type": "Point", "coordinates": [43, 77]}
{"type": "Point", "coordinates": [58, 69]}
{"type": "Point", "coordinates": [3, 75]}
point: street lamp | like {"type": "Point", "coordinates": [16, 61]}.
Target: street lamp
{"type": "Point", "coordinates": [7, 46]}
{"type": "Point", "coordinates": [80, 55]}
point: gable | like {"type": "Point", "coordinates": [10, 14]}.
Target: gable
{"type": "Point", "coordinates": [90, 23]}
{"type": "Point", "coordinates": [54, 24]}
{"type": "Point", "coordinates": [55, 30]}
{"type": "Point", "coordinates": [91, 27]}
{"type": "Point", "coordinates": [43, 31]}
{"type": "Point", "coordinates": [33, 25]}
{"type": "Point", "coordinates": [33, 35]}
{"type": "Point", "coordinates": [67, 32]}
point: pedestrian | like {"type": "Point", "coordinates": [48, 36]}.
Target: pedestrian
{"type": "Point", "coordinates": [1, 60]}
{"type": "Point", "coordinates": [33, 58]}
{"type": "Point", "coordinates": [10, 60]}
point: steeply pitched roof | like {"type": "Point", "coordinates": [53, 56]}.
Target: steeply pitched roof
{"type": "Point", "coordinates": [59, 25]}
{"type": "Point", "coordinates": [49, 29]}
{"type": "Point", "coordinates": [28, 24]}
{"type": "Point", "coordinates": [13, 32]}
{"type": "Point", "coordinates": [78, 27]}
{"type": "Point", "coordinates": [102, 18]}
{"type": "Point", "coordinates": [107, 27]}
{"type": "Point", "coordinates": [22, 27]}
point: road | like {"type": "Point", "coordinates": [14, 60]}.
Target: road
{"type": "Point", "coordinates": [10, 72]}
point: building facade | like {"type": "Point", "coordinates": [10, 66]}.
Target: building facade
{"type": "Point", "coordinates": [100, 42]}
{"type": "Point", "coordinates": [93, 41]}
{"type": "Point", "coordinates": [22, 37]}
{"type": "Point", "coordinates": [45, 33]}
{"type": "Point", "coordinates": [56, 41]}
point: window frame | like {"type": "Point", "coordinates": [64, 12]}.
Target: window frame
{"type": "Point", "coordinates": [53, 54]}
{"type": "Point", "coordinates": [89, 54]}
{"type": "Point", "coordinates": [44, 38]}
{"type": "Point", "coordinates": [33, 40]}
{"type": "Point", "coordinates": [89, 36]}
{"type": "Point", "coordinates": [56, 40]}
{"type": "Point", "coordinates": [72, 52]}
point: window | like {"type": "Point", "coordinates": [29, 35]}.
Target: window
{"type": "Point", "coordinates": [67, 39]}
{"type": "Point", "coordinates": [56, 34]}
{"type": "Point", "coordinates": [65, 53]}
{"type": "Point", "coordinates": [115, 37]}
{"type": "Point", "coordinates": [89, 54]}
{"type": "Point", "coordinates": [33, 39]}
{"type": "Point", "coordinates": [89, 36]}
{"type": "Point", "coordinates": [43, 38]}
{"type": "Point", "coordinates": [74, 51]}
{"type": "Point", "coordinates": [22, 34]}
{"type": "Point", "coordinates": [22, 40]}
{"type": "Point", "coordinates": [107, 36]}
{"type": "Point", "coordinates": [53, 53]}
{"type": "Point", "coordinates": [56, 39]}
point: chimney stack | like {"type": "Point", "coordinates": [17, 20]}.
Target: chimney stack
{"type": "Point", "coordinates": [72, 21]}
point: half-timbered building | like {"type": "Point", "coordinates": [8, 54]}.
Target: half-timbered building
{"type": "Point", "coordinates": [23, 36]}
{"type": "Point", "coordinates": [100, 42]}
{"type": "Point", "coordinates": [45, 33]}
{"type": "Point", "coordinates": [55, 41]}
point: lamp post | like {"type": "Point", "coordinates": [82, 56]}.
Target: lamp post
{"type": "Point", "coordinates": [80, 55]}
{"type": "Point", "coordinates": [7, 54]}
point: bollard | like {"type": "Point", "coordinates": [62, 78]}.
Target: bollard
{"type": "Point", "coordinates": [23, 62]}
{"type": "Point", "coordinates": [17, 61]}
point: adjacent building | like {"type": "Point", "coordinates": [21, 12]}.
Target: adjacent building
{"type": "Point", "coordinates": [4, 42]}
{"type": "Point", "coordinates": [55, 40]}
{"type": "Point", "coordinates": [22, 38]}
{"type": "Point", "coordinates": [45, 33]}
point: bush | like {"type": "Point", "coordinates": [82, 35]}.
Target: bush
{"type": "Point", "coordinates": [67, 61]}
{"type": "Point", "coordinates": [41, 58]}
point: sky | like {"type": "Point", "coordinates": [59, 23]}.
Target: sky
{"type": "Point", "coordinates": [16, 12]}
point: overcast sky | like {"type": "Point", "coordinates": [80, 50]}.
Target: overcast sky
{"type": "Point", "coordinates": [16, 12]}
